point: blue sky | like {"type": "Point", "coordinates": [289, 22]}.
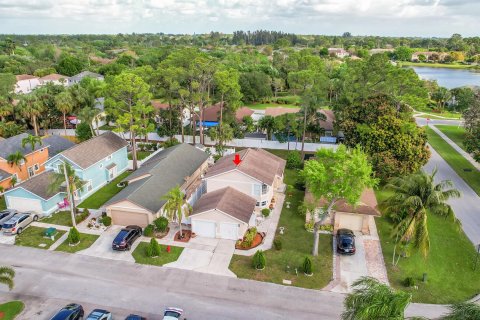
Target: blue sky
{"type": "Point", "coordinates": [360, 17]}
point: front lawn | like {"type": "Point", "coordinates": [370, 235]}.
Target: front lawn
{"type": "Point", "coordinates": [449, 265]}
{"type": "Point", "coordinates": [297, 243]}
{"type": "Point", "coordinates": [140, 155]}
{"type": "Point", "coordinates": [33, 237]}
{"type": "Point", "coordinates": [86, 240]}
{"type": "Point", "coordinates": [263, 106]}
{"type": "Point", "coordinates": [455, 133]}
{"type": "Point", "coordinates": [97, 199]}
{"type": "Point", "coordinates": [63, 218]}
{"type": "Point", "coordinates": [10, 310]}
{"type": "Point", "coordinates": [455, 160]}
{"type": "Point", "coordinates": [164, 258]}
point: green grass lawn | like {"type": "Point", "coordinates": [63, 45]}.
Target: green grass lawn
{"type": "Point", "coordinates": [263, 106]}
{"type": "Point", "coordinates": [11, 309]}
{"type": "Point", "coordinates": [165, 257]}
{"type": "Point", "coordinates": [97, 199]}
{"type": "Point", "coordinates": [456, 133]}
{"type": "Point", "coordinates": [106, 127]}
{"type": "Point", "coordinates": [297, 244]}
{"type": "Point", "coordinates": [455, 160]}
{"type": "Point", "coordinates": [33, 237]}
{"type": "Point", "coordinates": [86, 240]}
{"type": "Point", "coordinates": [3, 204]}
{"type": "Point", "coordinates": [449, 265]}
{"type": "Point", "coordinates": [435, 65]}
{"type": "Point", "coordinates": [62, 218]}
{"type": "Point", "coordinates": [140, 155]}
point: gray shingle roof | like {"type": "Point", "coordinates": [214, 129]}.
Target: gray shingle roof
{"type": "Point", "coordinates": [91, 151]}
{"type": "Point", "coordinates": [163, 172]}
{"type": "Point", "coordinates": [14, 144]}
{"type": "Point", "coordinates": [4, 175]}
{"type": "Point", "coordinates": [57, 144]}
{"type": "Point", "coordinates": [39, 185]}
{"type": "Point", "coordinates": [81, 75]}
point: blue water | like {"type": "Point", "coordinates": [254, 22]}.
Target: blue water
{"type": "Point", "coordinates": [449, 78]}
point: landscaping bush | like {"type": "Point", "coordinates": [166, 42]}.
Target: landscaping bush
{"type": "Point", "coordinates": [216, 157]}
{"type": "Point", "coordinates": [153, 249]}
{"type": "Point", "coordinates": [277, 243]}
{"type": "Point", "coordinates": [294, 160]}
{"type": "Point", "coordinates": [73, 236]}
{"type": "Point", "coordinates": [326, 227]}
{"type": "Point", "coordinates": [170, 143]}
{"type": "Point", "coordinates": [249, 237]}
{"type": "Point", "coordinates": [409, 282]}
{"type": "Point", "coordinates": [148, 232]}
{"type": "Point", "coordinates": [307, 266]}
{"type": "Point", "coordinates": [107, 221]}
{"type": "Point", "coordinates": [259, 260]}
{"type": "Point", "coordinates": [161, 224]}
{"type": "Point", "coordinates": [79, 217]}
{"type": "Point", "coordinates": [265, 212]}
{"type": "Point", "coordinates": [309, 225]}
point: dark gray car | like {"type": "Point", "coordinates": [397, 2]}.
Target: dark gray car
{"type": "Point", "coordinates": [5, 215]}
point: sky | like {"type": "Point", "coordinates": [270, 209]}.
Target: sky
{"type": "Point", "coordinates": [425, 18]}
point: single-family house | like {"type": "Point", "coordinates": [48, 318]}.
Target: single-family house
{"type": "Point", "coordinates": [54, 78]}
{"type": "Point", "coordinates": [141, 201]}
{"type": "Point", "coordinates": [338, 52]}
{"type": "Point", "coordinates": [84, 74]}
{"type": "Point", "coordinates": [258, 175]}
{"type": "Point", "coordinates": [224, 213]}
{"type": "Point", "coordinates": [429, 56]}
{"type": "Point", "coordinates": [26, 83]}
{"type": "Point", "coordinates": [211, 115]}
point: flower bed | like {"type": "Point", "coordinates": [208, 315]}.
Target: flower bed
{"type": "Point", "coordinates": [160, 235]}
{"type": "Point", "coordinates": [257, 240]}
{"type": "Point", "coordinates": [187, 234]}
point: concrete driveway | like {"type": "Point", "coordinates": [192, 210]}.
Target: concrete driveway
{"type": "Point", "coordinates": [102, 248]}
{"type": "Point", "coordinates": [7, 239]}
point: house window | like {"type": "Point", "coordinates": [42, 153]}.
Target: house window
{"type": "Point", "coordinates": [264, 203]}
{"type": "Point", "coordinates": [109, 157]}
{"type": "Point", "coordinates": [59, 168]}
{"type": "Point", "coordinates": [264, 188]}
{"type": "Point", "coordinates": [101, 165]}
{"type": "Point", "coordinates": [258, 204]}
{"type": "Point", "coordinates": [89, 186]}
{"type": "Point", "coordinates": [36, 167]}
{"type": "Point", "coordinates": [256, 189]}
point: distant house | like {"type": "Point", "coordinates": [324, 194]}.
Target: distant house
{"type": "Point", "coordinates": [84, 74]}
{"type": "Point", "coordinates": [211, 115]}
{"type": "Point", "coordinates": [338, 52]}
{"type": "Point", "coordinates": [54, 78]}
{"type": "Point", "coordinates": [379, 51]}
{"type": "Point", "coordinates": [141, 202]}
{"type": "Point", "coordinates": [26, 83]}
{"type": "Point", "coordinates": [429, 56]}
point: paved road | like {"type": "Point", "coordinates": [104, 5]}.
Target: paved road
{"type": "Point", "coordinates": [58, 277]}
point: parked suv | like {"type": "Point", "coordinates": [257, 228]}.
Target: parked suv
{"type": "Point", "coordinates": [125, 238]}
{"type": "Point", "coordinates": [18, 222]}
{"type": "Point", "coordinates": [5, 215]}
{"type": "Point", "coordinates": [71, 311]}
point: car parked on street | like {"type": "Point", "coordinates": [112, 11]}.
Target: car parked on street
{"type": "Point", "coordinates": [126, 237]}
{"type": "Point", "coordinates": [5, 215]}
{"type": "Point", "coordinates": [135, 317]}
{"type": "Point", "coordinates": [18, 222]}
{"type": "Point", "coordinates": [99, 314]}
{"type": "Point", "coordinates": [173, 314]}
{"type": "Point", "coordinates": [345, 241]}
{"type": "Point", "coordinates": [71, 311]}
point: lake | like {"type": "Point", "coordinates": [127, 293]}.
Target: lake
{"type": "Point", "coordinates": [449, 78]}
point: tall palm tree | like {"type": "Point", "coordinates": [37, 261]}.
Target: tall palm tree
{"type": "Point", "coordinates": [66, 176]}
{"type": "Point", "coordinates": [32, 141]}
{"type": "Point", "coordinates": [30, 106]}
{"type": "Point", "coordinates": [6, 276]}
{"type": "Point", "coordinates": [413, 198]}
{"type": "Point", "coordinates": [88, 115]}
{"type": "Point", "coordinates": [64, 103]}
{"type": "Point", "coordinates": [463, 311]}
{"type": "Point", "coordinates": [372, 299]}
{"type": "Point", "coordinates": [16, 159]}
{"type": "Point", "coordinates": [176, 206]}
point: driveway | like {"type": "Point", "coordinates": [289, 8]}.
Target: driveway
{"type": "Point", "coordinates": [102, 248]}
{"type": "Point", "coordinates": [7, 239]}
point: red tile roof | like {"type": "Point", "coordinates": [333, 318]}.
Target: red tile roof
{"type": "Point", "coordinates": [21, 77]}
{"type": "Point", "coordinates": [212, 113]}
{"type": "Point", "coordinates": [278, 111]}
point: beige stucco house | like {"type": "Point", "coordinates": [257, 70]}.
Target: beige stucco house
{"type": "Point", "coordinates": [258, 175]}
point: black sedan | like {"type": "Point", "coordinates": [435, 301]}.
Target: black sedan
{"type": "Point", "coordinates": [71, 311]}
{"type": "Point", "coordinates": [345, 241]}
{"type": "Point", "coordinates": [125, 238]}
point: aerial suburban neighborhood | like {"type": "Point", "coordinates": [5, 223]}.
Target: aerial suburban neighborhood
{"type": "Point", "coordinates": [151, 168]}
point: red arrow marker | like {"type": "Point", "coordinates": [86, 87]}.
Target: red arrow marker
{"type": "Point", "coordinates": [237, 160]}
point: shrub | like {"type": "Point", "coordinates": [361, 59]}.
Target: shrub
{"type": "Point", "coordinates": [153, 248]}
{"type": "Point", "coordinates": [259, 260]}
{"type": "Point", "coordinates": [277, 243]}
{"type": "Point", "coordinates": [249, 237]}
{"type": "Point", "coordinates": [409, 282]}
{"type": "Point", "coordinates": [294, 160]}
{"type": "Point", "coordinates": [148, 232]}
{"type": "Point", "coordinates": [170, 143]}
{"type": "Point", "coordinates": [309, 225]}
{"type": "Point", "coordinates": [73, 236]}
{"type": "Point", "coordinates": [307, 266]}
{"type": "Point", "coordinates": [265, 212]}
{"type": "Point", "coordinates": [107, 221]}
{"type": "Point", "coordinates": [79, 217]}
{"type": "Point", "coordinates": [326, 227]}
{"type": "Point", "coordinates": [161, 224]}
{"type": "Point", "coordinates": [216, 157]}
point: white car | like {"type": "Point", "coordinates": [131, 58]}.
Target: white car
{"type": "Point", "coordinates": [99, 314]}
{"type": "Point", "coordinates": [173, 314]}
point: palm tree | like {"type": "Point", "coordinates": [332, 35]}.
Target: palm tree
{"type": "Point", "coordinates": [175, 206]}
{"type": "Point", "coordinates": [463, 311]}
{"type": "Point", "coordinates": [13, 181]}
{"type": "Point", "coordinates": [372, 299]}
{"type": "Point", "coordinates": [267, 123]}
{"type": "Point", "coordinates": [66, 176]}
{"type": "Point", "coordinates": [6, 108]}
{"type": "Point", "coordinates": [32, 141]}
{"type": "Point", "coordinates": [6, 276]}
{"type": "Point", "coordinates": [87, 115]}
{"type": "Point", "coordinates": [412, 197]}
{"type": "Point", "coordinates": [16, 159]}
{"type": "Point", "coordinates": [30, 106]}
{"type": "Point", "coordinates": [64, 103]}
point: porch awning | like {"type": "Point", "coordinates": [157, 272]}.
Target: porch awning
{"type": "Point", "coordinates": [111, 166]}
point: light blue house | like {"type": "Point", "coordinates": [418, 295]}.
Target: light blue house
{"type": "Point", "coordinates": [96, 162]}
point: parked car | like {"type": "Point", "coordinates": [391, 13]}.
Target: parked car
{"type": "Point", "coordinates": [5, 215]}
{"type": "Point", "coordinates": [71, 311]}
{"type": "Point", "coordinates": [173, 314]}
{"type": "Point", "coordinates": [126, 237]}
{"type": "Point", "coordinates": [100, 314]}
{"type": "Point", "coordinates": [18, 222]}
{"type": "Point", "coordinates": [345, 241]}
{"type": "Point", "coordinates": [135, 317]}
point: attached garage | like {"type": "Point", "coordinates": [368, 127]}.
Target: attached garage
{"type": "Point", "coordinates": [204, 228]}
{"type": "Point", "coordinates": [350, 221]}
{"type": "Point", "coordinates": [125, 218]}
{"type": "Point", "coordinates": [230, 231]}
{"type": "Point", "coordinates": [24, 204]}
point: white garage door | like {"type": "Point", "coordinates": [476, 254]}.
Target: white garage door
{"type": "Point", "coordinates": [229, 231]}
{"type": "Point", "coordinates": [203, 228]}
{"type": "Point", "coordinates": [24, 204]}
{"type": "Point", "coordinates": [127, 218]}
{"type": "Point", "coordinates": [349, 221]}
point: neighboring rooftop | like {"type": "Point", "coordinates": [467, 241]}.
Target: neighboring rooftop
{"type": "Point", "coordinates": [330, 119]}
{"type": "Point", "coordinates": [158, 105]}
{"type": "Point", "coordinates": [39, 185]}
{"type": "Point", "coordinates": [257, 163]}
{"type": "Point", "coordinates": [53, 77]}
{"type": "Point", "coordinates": [14, 144]}
{"type": "Point", "coordinates": [91, 151]}
{"type": "Point", "coordinates": [4, 175]}
{"type": "Point", "coordinates": [57, 144]}
{"type": "Point", "coordinates": [278, 111]}
{"type": "Point", "coordinates": [21, 77]}
{"type": "Point", "coordinates": [213, 113]}
{"type": "Point", "coordinates": [167, 169]}
{"type": "Point", "coordinates": [85, 74]}
{"type": "Point", "coordinates": [227, 200]}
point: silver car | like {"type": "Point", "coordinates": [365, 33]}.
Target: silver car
{"type": "Point", "coordinates": [5, 215]}
{"type": "Point", "coordinates": [18, 222]}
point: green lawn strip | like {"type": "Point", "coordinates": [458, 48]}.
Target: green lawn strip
{"type": "Point", "coordinates": [455, 160]}
{"type": "Point", "coordinates": [297, 243]}
{"type": "Point", "coordinates": [449, 265]}
{"type": "Point", "coordinates": [263, 106]}
{"type": "Point", "coordinates": [455, 133]}
{"type": "Point", "coordinates": [140, 155]}
{"type": "Point", "coordinates": [164, 258]}
{"type": "Point", "coordinates": [62, 218]}
{"type": "Point", "coordinates": [86, 240]}
{"type": "Point", "coordinates": [11, 309]}
{"type": "Point", "coordinates": [106, 127]}
{"type": "Point", "coordinates": [435, 65]}
{"type": "Point", "coordinates": [3, 204]}
{"type": "Point", "coordinates": [33, 237]}
{"type": "Point", "coordinates": [97, 199]}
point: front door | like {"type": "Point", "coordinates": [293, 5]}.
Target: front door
{"type": "Point", "coordinates": [112, 173]}
{"type": "Point", "coordinates": [31, 172]}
